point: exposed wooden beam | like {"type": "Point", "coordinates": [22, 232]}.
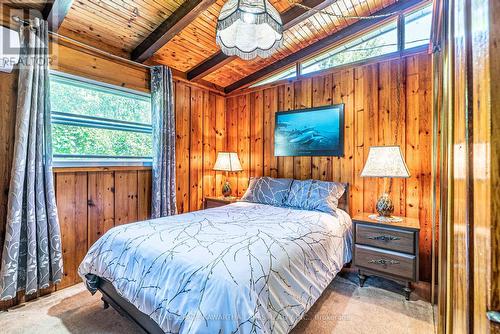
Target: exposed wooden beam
{"type": "Point", "coordinates": [290, 18]}
{"type": "Point", "coordinates": [350, 30]}
{"type": "Point", "coordinates": [209, 65]}
{"type": "Point", "coordinates": [184, 15]}
{"type": "Point", "coordinates": [55, 12]}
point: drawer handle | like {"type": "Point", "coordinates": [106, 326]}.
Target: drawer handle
{"type": "Point", "coordinates": [384, 238]}
{"type": "Point", "coordinates": [384, 262]}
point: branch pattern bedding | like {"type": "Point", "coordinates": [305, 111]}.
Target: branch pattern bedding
{"type": "Point", "coordinates": [241, 268]}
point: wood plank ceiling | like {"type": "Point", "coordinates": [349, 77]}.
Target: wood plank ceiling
{"type": "Point", "coordinates": [116, 26]}
{"type": "Point", "coordinates": [119, 27]}
{"type": "Point", "coordinates": [196, 42]}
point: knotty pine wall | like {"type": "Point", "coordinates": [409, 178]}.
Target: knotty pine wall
{"type": "Point", "coordinates": [91, 201]}
{"type": "Point", "coordinates": [201, 133]}
{"type": "Point", "coordinates": [370, 96]}
{"type": "Point", "coordinates": [8, 89]}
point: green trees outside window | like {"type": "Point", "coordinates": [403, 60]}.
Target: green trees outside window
{"type": "Point", "coordinates": [98, 121]}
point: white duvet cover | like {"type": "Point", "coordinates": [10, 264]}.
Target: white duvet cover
{"type": "Point", "coordinates": [241, 268]}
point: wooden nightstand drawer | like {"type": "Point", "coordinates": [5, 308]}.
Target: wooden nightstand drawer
{"type": "Point", "coordinates": [215, 202]}
{"type": "Point", "coordinates": [387, 238]}
{"type": "Point", "coordinates": [387, 249]}
{"type": "Point", "coordinates": [385, 261]}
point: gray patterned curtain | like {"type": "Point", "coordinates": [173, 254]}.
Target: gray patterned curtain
{"type": "Point", "coordinates": [32, 257]}
{"type": "Point", "coordinates": [162, 102]}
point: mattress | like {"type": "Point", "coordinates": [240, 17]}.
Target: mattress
{"type": "Point", "coordinates": [240, 268]}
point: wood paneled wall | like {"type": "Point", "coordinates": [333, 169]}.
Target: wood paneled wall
{"type": "Point", "coordinates": [86, 63]}
{"type": "Point", "coordinates": [201, 133]}
{"type": "Point", "coordinates": [370, 94]}
{"type": "Point", "coordinates": [8, 89]}
{"type": "Point", "coordinates": [486, 163]}
{"type": "Point", "coordinates": [92, 201]}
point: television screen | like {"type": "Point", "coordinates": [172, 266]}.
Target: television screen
{"type": "Point", "coordinates": [310, 132]}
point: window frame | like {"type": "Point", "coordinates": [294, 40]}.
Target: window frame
{"type": "Point", "coordinates": [293, 68]}
{"type": "Point", "coordinates": [404, 17]}
{"type": "Point", "coordinates": [400, 53]}
{"type": "Point", "coordinates": [73, 119]}
{"type": "Point", "coordinates": [362, 40]}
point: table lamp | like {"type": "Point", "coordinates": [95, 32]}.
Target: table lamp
{"type": "Point", "coordinates": [227, 162]}
{"type": "Point", "coordinates": [385, 162]}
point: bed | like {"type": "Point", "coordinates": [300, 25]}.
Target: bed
{"type": "Point", "coordinates": [240, 268]}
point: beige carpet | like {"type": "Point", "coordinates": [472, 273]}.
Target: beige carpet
{"type": "Point", "coordinates": [343, 308]}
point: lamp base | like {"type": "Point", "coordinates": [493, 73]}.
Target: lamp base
{"type": "Point", "coordinates": [226, 189]}
{"type": "Point", "coordinates": [385, 208]}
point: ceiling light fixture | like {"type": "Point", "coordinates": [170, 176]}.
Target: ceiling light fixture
{"type": "Point", "coordinates": [249, 28]}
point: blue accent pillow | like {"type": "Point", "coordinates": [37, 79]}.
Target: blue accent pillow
{"type": "Point", "coordinates": [324, 196]}
{"type": "Point", "coordinates": [299, 192]}
{"type": "Point", "coordinates": [267, 190]}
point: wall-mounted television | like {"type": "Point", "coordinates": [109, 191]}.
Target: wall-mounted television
{"type": "Point", "coordinates": [310, 132]}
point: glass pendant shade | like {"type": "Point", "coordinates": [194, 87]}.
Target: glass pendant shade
{"type": "Point", "coordinates": [249, 28]}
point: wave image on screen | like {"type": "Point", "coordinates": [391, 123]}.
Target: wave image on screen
{"type": "Point", "coordinates": [310, 132]}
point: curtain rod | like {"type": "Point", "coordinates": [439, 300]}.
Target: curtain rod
{"type": "Point", "coordinates": [71, 40]}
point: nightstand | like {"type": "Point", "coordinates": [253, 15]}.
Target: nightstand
{"type": "Point", "coordinates": [214, 202]}
{"type": "Point", "coordinates": [386, 249]}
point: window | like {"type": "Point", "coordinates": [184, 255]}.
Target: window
{"type": "Point", "coordinates": [377, 42]}
{"type": "Point", "coordinates": [289, 73]}
{"type": "Point", "coordinates": [95, 122]}
{"type": "Point", "coordinates": [418, 27]}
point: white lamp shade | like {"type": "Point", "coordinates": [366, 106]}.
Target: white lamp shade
{"type": "Point", "coordinates": [228, 162]}
{"type": "Point", "coordinates": [385, 161]}
{"type": "Point", "coordinates": [249, 28]}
